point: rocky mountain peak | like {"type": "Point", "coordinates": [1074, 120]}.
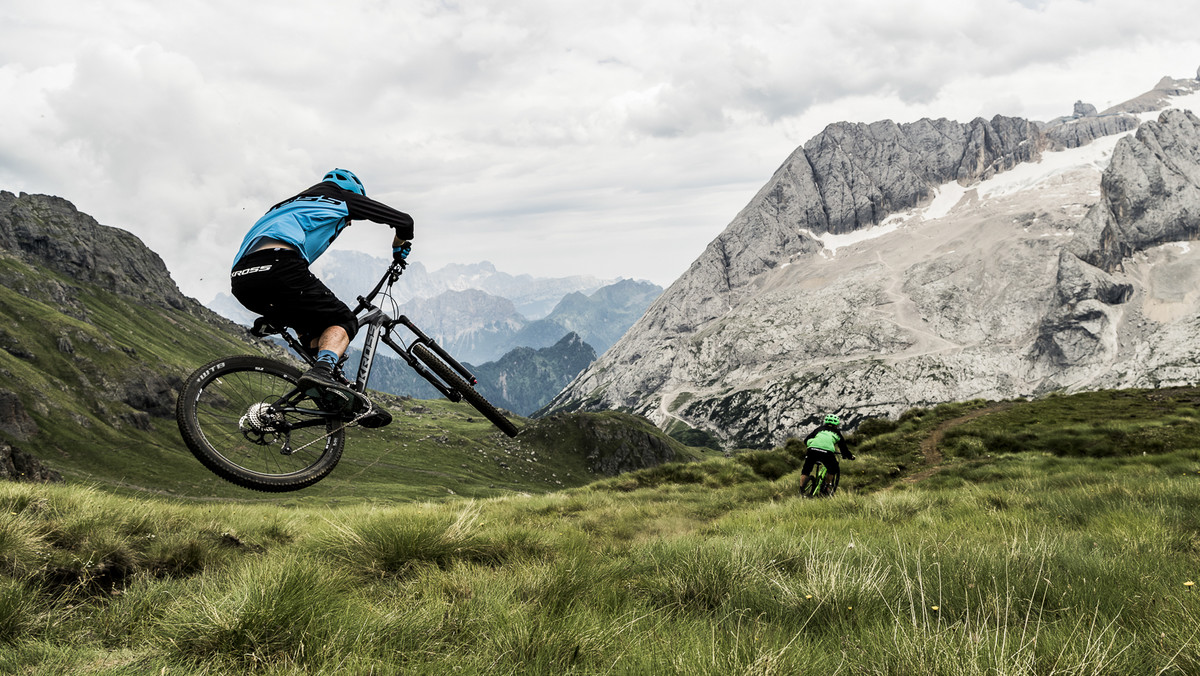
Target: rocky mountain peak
{"type": "Point", "coordinates": [886, 266]}
{"type": "Point", "coordinates": [50, 231]}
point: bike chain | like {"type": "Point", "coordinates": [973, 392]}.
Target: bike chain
{"type": "Point", "coordinates": [348, 423]}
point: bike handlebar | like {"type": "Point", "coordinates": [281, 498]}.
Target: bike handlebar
{"type": "Point", "coordinates": [389, 278]}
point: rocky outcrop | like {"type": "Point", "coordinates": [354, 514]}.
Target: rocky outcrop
{"type": "Point", "coordinates": [14, 420]}
{"type": "Point", "coordinates": [152, 392]}
{"type": "Point", "coordinates": [1080, 131]}
{"type": "Point", "coordinates": [612, 443]}
{"type": "Point", "coordinates": [17, 465]}
{"type": "Point", "coordinates": [50, 231]}
{"type": "Point", "coordinates": [1151, 192]}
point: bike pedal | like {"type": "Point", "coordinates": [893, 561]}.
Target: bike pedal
{"type": "Point", "coordinates": [377, 418]}
{"type": "Point", "coordinates": [335, 401]}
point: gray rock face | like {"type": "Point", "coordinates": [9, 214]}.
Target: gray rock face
{"type": "Point", "coordinates": [1080, 131]}
{"type": "Point", "coordinates": [1151, 190]}
{"type": "Point", "coordinates": [1054, 277]}
{"type": "Point", "coordinates": [1084, 109]}
{"type": "Point", "coordinates": [862, 172]}
{"type": "Point", "coordinates": [17, 465]}
{"type": "Point", "coordinates": [13, 418]}
{"type": "Point", "coordinates": [51, 231]}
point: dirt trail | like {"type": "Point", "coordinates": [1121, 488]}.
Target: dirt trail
{"type": "Point", "coordinates": [933, 458]}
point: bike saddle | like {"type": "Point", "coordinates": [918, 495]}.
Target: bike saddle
{"type": "Point", "coordinates": [263, 328]}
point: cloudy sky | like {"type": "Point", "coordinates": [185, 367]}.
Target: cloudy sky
{"type": "Point", "coordinates": [550, 137]}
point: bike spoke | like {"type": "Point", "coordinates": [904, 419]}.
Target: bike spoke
{"type": "Point", "coordinates": [234, 418]}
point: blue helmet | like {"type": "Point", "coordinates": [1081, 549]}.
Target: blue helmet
{"type": "Point", "coordinates": [346, 180]}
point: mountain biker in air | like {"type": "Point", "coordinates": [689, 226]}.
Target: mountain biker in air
{"type": "Point", "coordinates": [271, 277]}
{"type": "Point", "coordinates": [821, 444]}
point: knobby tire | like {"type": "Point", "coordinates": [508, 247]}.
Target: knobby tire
{"type": "Point", "coordinates": [821, 486]}
{"type": "Point", "coordinates": [831, 484]}
{"type": "Point", "coordinates": [211, 413]}
{"type": "Point", "coordinates": [456, 382]}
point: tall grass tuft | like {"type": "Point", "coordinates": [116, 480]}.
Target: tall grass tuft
{"type": "Point", "coordinates": [21, 542]}
{"type": "Point", "coordinates": [386, 544]}
{"type": "Point", "coordinates": [276, 610]}
{"type": "Point", "coordinates": [17, 605]}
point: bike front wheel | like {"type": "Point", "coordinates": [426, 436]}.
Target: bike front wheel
{"type": "Point", "coordinates": [234, 417]}
{"type": "Point", "coordinates": [456, 382]}
{"type": "Point", "coordinates": [816, 482]}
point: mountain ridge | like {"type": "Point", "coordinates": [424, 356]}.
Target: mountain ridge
{"type": "Point", "coordinates": [96, 341]}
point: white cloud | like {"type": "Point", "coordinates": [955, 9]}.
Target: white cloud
{"type": "Point", "coordinates": [613, 139]}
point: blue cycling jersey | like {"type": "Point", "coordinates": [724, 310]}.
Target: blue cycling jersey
{"type": "Point", "coordinates": [309, 223]}
{"type": "Point", "coordinates": [311, 220]}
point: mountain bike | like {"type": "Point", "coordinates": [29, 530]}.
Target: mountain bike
{"type": "Point", "coordinates": [822, 483]}
{"type": "Point", "coordinates": [245, 418]}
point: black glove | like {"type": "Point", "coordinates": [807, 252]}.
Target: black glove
{"type": "Point", "coordinates": [400, 253]}
{"type": "Point", "coordinates": [848, 456]}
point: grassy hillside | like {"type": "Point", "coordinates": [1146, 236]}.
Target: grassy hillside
{"type": "Point", "coordinates": [98, 375]}
{"type": "Point", "coordinates": [1046, 537]}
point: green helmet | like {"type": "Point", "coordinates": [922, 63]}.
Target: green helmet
{"type": "Point", "coordinates": [833, 420]}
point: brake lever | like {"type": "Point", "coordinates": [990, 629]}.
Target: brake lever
{"type": "Point", "coordinates": [396, 270]}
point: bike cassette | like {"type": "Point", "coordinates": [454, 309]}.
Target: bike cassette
{"type": "Point", "coordinates": [259, 424]}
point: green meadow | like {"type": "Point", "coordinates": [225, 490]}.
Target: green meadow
{"type": "Point", "coordinates": [1058, 536]}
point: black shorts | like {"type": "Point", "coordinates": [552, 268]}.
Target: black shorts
{"type": "Point", "coordinates": [277, 284]}
{"type": "Point", "coordinates": [815, 454]}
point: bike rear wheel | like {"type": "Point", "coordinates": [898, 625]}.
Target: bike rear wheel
{"type": "Point", "coordinates": [227, 419]}
{"type": "Point", "coordinates": [456, 382]}
{"type": "Point", "coordinates": [831, 484]}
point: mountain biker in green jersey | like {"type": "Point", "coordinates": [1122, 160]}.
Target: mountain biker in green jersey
{"type": "Point", "coordinates": [821, 444]}
{"type": "Point", "coordinates": [271, 274]}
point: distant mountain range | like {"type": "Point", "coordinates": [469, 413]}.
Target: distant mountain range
{"type": "Point", "coordinates": [351, 273]}
{"type": "Point", "coordinates": [536, 359]}
{"type": "Point", "coordinates": [480, 314]}
{"type": "Point", "coordinates": [522, 381]}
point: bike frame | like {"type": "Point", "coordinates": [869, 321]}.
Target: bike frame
{"type": "Point", "coordinates": [379, 329]}
{"type": "Point", "coordinates": [819, 479]}
{"type": "Point", "coordinates": [819, 476]}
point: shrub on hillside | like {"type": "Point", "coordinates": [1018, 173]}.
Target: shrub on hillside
{"type": "Point", "coordinates": [795, 448]}
{"type": "Point", "coordinates": [873, 427]}
{"type": "Point", "coordinates": [715, 473]}
{"type": "Point", "coordinates": [770, 465]}
{"type": "Point", "coordinates": [696, 438]}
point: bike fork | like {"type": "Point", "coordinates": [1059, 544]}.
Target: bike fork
{"type": "Point", "coordinates": [437, 349]}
